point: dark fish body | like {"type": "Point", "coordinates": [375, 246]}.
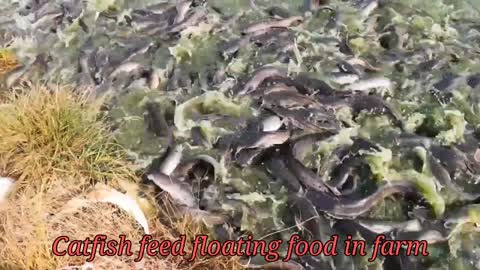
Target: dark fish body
{"type": "Point", "coordinates": [155, 120]}
{"type": "Point", "coordinates": [445, 178]}
{"type": "Point", "coordinates": [196, 16]}
{"type": "Point", "coordinates": [305, 119]}
{"type": "Point", "coordinates": [248, 157]}
{"type": "Point", "coordinates": [316, 86]}
{"type": "Point", "coordinates": [450, 158]}
{"type": "Point", "coordinates": [425, 67]}
{"type": "Point", "coordinates": [341, 173]}
{"type": "Point", "coordinates": [350, 227]}
{"type": "Point", "coordinates": [355, 208]}
{"type": "Point", "coordinates": [473, 80]}
{"type": "Point", "coordinates": [316, 225]}
{"type": "Point", "coordinates": [342, 207]}
{"type": "Point", "coordinates": [232, 46]}
{"type": "Point", "coordinates": [277, 168]}
{"type": "Point", "coordinates": [447, 82]}
{"type": "Point", "coordinates": [305, 175]}
{"type": "Point", "coordinates": [198, 137]}
{"type": "Point", "coordinates": [374, 105]}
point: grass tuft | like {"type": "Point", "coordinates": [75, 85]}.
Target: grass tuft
{"type": "Point", "coordinates": [48, 132]}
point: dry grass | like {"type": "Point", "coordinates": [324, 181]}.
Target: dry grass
{"type": "Point", "coordinates": [29, 226]}
{"type": "Point", "coordinates": [8, 61]}
{"type": "Point", "coordinates": [186, 226]}
{"type": "Point", "coordinates": [56, 146]}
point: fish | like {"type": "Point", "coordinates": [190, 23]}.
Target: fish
{"type": "Point", "coordinates": [197, 136]}
{"type": "Point", "coordinates": [209, 218]}
{"type": "Point", "coordinates": [347, 68]}
{"type": "Point", "coordinates": [228, 23]}
{"type": "Point", "coordinates": [430, 235]}
{"type": "Point", "coordinates": [259, 76]}
{"type": "Point", "coordinates": [359, 62]}
{"type": "Point", "coordinates": [448, 81]}
{"type": "Point", "coordinates": [44, 20]}
{"type": "Point", "coordinates": [473, 80]}
{"type": "Point", "coordinates": [451, 158]}
{"type": "Point", "coordinates": [126, 67]}
{"type": "Point", "coordinates": [307, 119]}
{"type": "Point", "coordinates": [160, 7]}
{"type": "Point", "coordinates": [138, 49]}
{"type": "Point", "coordinates": [184, 168]}
{"type": "Point", "coordinates": [344, 207]}
{"type": "Point", "coordinates": [232, 46]}
{"type": "Point", "coordinates": [350, 227]}
{"type": "Point", "coordinates": [271, 123]}
{"type": "Point", "coordinates": [317, 226]}
{"type": "Point", "coordinates": [279, 88]}
{"type": "Point", "coordinates": [336, 158]}
{"type": "Point", "coordinates": [129, 204]}
{"type": "Point", "coordinates": [304, 84]}
{"type": "Point", "coordinates": [287, 98]}
{"type": "Point", "coordinates": [16, 76]}
{"type": "Point", "coordinates": [374, 105]}
{"type": "Point", "coordinates": [340, 173]}
{"type": "Point", "coordinates": [367, 7]}
{"type": "Point", "coordinates": [195, 18]}
{"type": "Point", "coordinates": [276, 167]}
{"type": "Point", "coordinates": [179, 191]}
{"type": "Point", "coordinates": [32, 6]}
{"type": "Point", "coordinates": [470, 150]}
{"type": "Point", "coordinates": [6, 185]}
{"type": "Point", "coordinates": [154, 79]}
{"type": "Point", "coordinates": [306, 176]}
{"type": "Point", "coordinates": [274, 39]}
{"type": "Point", "coordinates": [190, 165]}
{"type": "Point", "coordinates": [265, 139]}
{"type": "Point", "coordinates": [172, 158]}
{"type": "Point", "coordinates": [368, 84]}
{"type": "Point", "coordinates": [445, 179]}
{"type": "Point", "coordinates": [283, 23]}
{"type": "Point", "coordinates": [247, 157]}
{"type": "Point", "coordinates": [410, 140]}
{"type": "Point", "coordinates": [315, 86]}
{"type": "Point", "coordinates": [426, 66]}
{"type": "Point", "coordinates": [460, 216]}
{"type": "Point", "coordinates": [304, 143]}
{"type": "Point", "coordinates": [155, 120]}
{"type": "Point", "coordinates": [342, 78]}
{"type": "Point", "coordinates": [384, 227]}
{"type": "Point", "coordinates": [182, 7]}
{"type": "Point", "coordinates": [343, 45]}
